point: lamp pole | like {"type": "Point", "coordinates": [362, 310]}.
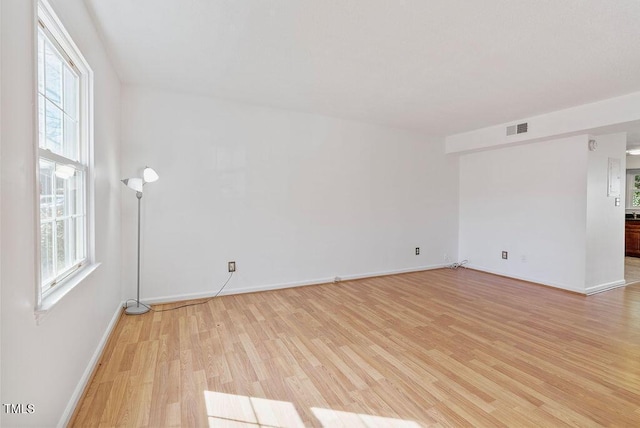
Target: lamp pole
{"type": "Point", "coordinates": [138, 308]}
{"type": "Point", "coordinates": [148, 176]}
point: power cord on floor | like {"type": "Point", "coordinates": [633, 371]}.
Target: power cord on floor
{"type": "Point", "coordinates": [185, 305]}
{"type": "Point", "coordinates": [460, 264]}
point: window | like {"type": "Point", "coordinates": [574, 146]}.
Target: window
{"type": "Point", "coordinates": [63, 156]}
{"type": "Point", "coordinates": [633, 186]}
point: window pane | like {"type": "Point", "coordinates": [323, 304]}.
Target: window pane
{"type": "Point", "coordinates": [40, 62]}
{"type": "Point", "coordinates": [68, 236]}
{"type": "Point", "coordinates": [70, 93]}
{"type": "Point", "coordinates": [61, 245]}
{"type": "Point", "coordinates": [61, 197]}
{"type": "Point", "coordinates": [80, 241]}
{"type": "Point", "coordinates": [636, 198]}
{"type": "Point", "coordinates": [71, 138]}
{"type": "Point", "coordinates": [46, 189]}
{"type": "Point", "coordinates": [41, 141]}
{"type": "Point", "coordinates": [53, 74]}
{"type": "Point", "coordinates": [53, 128]}
{"type": "Point", "coordinates": [76, 193]}
{"type": "Point", "coordinates": [69, 191]}
{"type": "Point", "coordinates": [65, 203]}
{"type": "Point", "coordinates": [46, 251]}
{"type": "Point", "coordinates": [71, 241]}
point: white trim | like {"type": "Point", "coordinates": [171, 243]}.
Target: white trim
{"type": "Point", "coordinates": [36, 172]}
{"type": "Point", "coordinates": [282, 285]}
{"type": "Point", "coordinates": [1, 196]}
{"type": "Point", "coordinates": [86, 376]}
{"type": "Point", "coordinates": [55, 30]}
{"type": "Point", "coordinates": [605, 287]}
{"type": "Point", "coordinates": [588, 291]}
{"type": "Point", "coordinates": [522, 278]}
{"type": "Point", "coordinates": [47, 15]}
{"type": "Point", "coordinates": [56, 294]}
{"type": "Point", "coordinates": [49, 155]}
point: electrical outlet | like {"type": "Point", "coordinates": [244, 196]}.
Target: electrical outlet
{"type": "Point", "coordinates": [505, 255]}
{"type": "Point", "coordinates": [446, 258]}
{"type": "Point", "coordinates": [232, 266]}
{"type": "Point", "coordinates": [417, 251]}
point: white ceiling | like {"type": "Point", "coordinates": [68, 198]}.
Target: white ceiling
{"type": "Point", "coordinates": [438, 66]}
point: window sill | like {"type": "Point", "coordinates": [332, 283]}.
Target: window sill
{"type": "Point", "coordinates": [62, 290]}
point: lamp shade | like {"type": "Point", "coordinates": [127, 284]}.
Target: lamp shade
{"type": "Point", "coordinates": [149, 175]}
{"type": "Point", "coordinates": [133, 183]}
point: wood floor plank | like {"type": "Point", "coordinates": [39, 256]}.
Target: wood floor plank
{"type": "Point", "coordinates": [442, 348]}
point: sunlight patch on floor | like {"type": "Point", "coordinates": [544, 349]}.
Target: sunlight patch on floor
{"type": "Point", "coordinates": [235, 411]}
{"type": "Point", "coordinates": [338, 418]}
{"type": "Point", "coordinates": [229, 410]}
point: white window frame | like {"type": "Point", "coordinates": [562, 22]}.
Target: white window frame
{"type": "Point", "coordinates": [46, 18]}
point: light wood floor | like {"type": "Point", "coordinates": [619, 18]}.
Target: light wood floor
{"type": "Point", "coordinates": [436, 348]}
{"type": "Point", "coordinates": [631, 269]}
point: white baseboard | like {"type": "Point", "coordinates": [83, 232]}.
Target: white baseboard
{"type": "Point", "coordinates": [588, 291]}
{"type": "Point", "coordinates": [605, 287]}
{"type": "Point", "coordinates": [523, 278]}
{"type": "Point", "coordinates": [278, 286]}
{"type": "Point", "coordinates": [86, 376]}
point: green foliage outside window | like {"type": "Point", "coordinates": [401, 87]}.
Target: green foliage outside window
{"type": "Point", "coordinates": [636, 191]}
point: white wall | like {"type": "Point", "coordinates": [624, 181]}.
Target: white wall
{"type": "Point", "coordinates": [546, 204]}
{"type": "Point", "coordinates": [44, 364]}
{"type": "Point", "coordinates": [1, 57]}
{"type": "Point", "coordinates": [293, 198]}
{"type": "Point", "coordinates": [605, 221]}
{"type": "Point", "coordinates": [529, 200]}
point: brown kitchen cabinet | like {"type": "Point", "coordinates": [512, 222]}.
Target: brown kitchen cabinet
{"type": "Point", "coordinates": [632, 238]}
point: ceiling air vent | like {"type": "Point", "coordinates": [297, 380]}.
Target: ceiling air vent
{"type": "Point", "coordinates": [520, 128]}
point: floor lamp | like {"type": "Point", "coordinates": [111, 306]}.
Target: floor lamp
{"type": "Point", "coordinates": [137, 184]}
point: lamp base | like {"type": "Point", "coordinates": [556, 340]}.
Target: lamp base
{"type": "Point", "coordinates": [136, 310]}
